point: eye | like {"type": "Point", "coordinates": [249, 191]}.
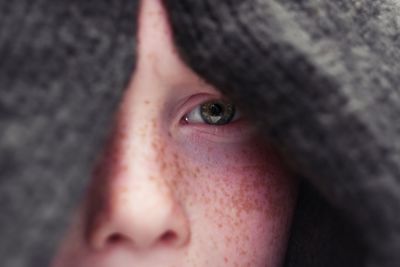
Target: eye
{"type": "Point", "coordinates": [214, 112]}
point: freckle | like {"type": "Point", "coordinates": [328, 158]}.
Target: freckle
{"type": "Point", "coordinates": [150, 56]}
{"type": "Point", "coordinates": [163, 165]}
{"type": "Point", "coordinates": [174, 50]}
{"type": "Point", "coordinates": [124, 190]}
{"type": "Point", "coordinates": [122, 134]}
{"type": "Point", "coordinates": [243, 252]}
{"type": "Point", "coordinates": [123, 168]}
{"type": "Point", "coordinates": [154, 144]}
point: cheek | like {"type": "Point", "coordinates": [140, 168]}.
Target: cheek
{"type": "Point", "coordinates": [240, 199]}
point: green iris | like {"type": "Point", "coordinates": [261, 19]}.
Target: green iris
{"type": "Point", "coordinates": [217, 112]}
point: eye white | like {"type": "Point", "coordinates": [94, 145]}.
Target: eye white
{"type": "Point", "coordinates": [194, 116]}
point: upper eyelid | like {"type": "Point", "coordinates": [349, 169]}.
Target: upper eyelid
{"type": "Point", "coordinates": [191, 103]}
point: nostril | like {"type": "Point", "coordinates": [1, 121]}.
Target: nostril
{"type": "Point", "coordinates": [115, 238]}
{"type": "Point", "coordinates": [168, 237]}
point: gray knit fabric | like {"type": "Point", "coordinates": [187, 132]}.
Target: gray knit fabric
{"type": "Point", "coordinates": [63, 65]}
{"type": "Point", "coordinates": [318, 77]}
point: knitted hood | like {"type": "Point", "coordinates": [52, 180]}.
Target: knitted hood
{"type": "Point", "coordinates": [318, 77]}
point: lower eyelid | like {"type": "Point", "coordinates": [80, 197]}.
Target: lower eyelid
{"type": "Point", "coordinates": [237, 131]}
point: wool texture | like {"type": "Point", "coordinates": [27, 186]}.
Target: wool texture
{"type": "Point", "coordinates": [63, 67]}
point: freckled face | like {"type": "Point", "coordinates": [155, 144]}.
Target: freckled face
{"type": "Point", "coordinates": [173, 190]}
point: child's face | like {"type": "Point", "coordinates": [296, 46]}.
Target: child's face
{"type": "Point", "coordinates": [172, 190]}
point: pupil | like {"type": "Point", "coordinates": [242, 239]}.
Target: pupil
{"type": "Point", "coordinates": [217, 112]}
{"type": "Point", "coordinates": [215, 109]}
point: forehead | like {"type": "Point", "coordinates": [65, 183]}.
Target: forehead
{"type": "Point", "coordinates": [154, 32]}
{"type": "Point", "coordinates": [159, 65]}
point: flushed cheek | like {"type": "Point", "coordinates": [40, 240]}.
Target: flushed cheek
{"type": "Point", "coordinates": [243, 211]}
{"type": "Point", "coordinates": [250, 173]}
{"type": "Point", "coordinates": [242, 241]}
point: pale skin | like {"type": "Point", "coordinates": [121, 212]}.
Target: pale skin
{"type": "Point", "coordinates": [171, 190]}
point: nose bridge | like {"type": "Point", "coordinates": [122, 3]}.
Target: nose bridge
{"type": "Point", "coordinates": [141, 154]}
{"type": "Point", "coordinates": [138, 158]}
{"type": "Point", "coordinates": [141, 146]}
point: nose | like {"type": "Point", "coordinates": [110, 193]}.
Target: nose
{"type": "Point", "coordinates": [141, 222]}
{"type": "Point", "coordinates": [130, 203]}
